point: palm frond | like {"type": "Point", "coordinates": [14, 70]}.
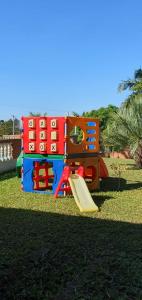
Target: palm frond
{"type": "Point", "coordinates": [75, 114]}
{"type": "Point", "coordinates": [125, 84]}
{"type": "Point", "coordinates": [138, 74]}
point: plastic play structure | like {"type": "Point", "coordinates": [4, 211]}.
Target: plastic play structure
{"type": "Point", "coordinates": [60, 156]}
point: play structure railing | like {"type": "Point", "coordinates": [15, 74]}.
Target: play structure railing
{"type": "Point", "coordinates": [6, 151]}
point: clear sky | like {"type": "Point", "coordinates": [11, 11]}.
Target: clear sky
{"type": "Point", "coordinates": [59, 56]}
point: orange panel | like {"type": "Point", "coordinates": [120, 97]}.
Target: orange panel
{"type": "Point", "coordinates": [91, 165]}
{"type": "Point", "coordinates": [90, 140]}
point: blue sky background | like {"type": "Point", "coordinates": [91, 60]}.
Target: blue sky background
{"type": "Point", "coordinates": [59, 56]}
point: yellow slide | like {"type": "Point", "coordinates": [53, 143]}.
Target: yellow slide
{"type": "Point", "coordinates": [81, 194]}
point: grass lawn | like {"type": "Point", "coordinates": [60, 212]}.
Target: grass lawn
{"type": "Point", "coordinates": [49, 250]}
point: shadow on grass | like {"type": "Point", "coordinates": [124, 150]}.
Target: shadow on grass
{"type": "Point", "coordinates": [100, 199]}
{"type": "Point", "coordinates": [132, 167]}
{"type": "Point", "coordinates": [115, 184]}
{"type": "Point", "coordinates": [53, 256]}
{"type": "Point", "coordinates": [7, 175]}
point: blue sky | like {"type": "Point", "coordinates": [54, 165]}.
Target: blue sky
{"type": "Point", "coordinates": [59, 56]}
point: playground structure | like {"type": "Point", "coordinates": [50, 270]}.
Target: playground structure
{"type": "Point", "coordinates": [60, 156]}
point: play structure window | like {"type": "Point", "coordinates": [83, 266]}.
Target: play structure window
{"type": "Point", "coordinates": [91, 124]}
{"type": "Point", "coordinates": [90, 174]}
{"type": "Point", "coordinates": [91, 131]}
{"type": "Point", "coordinates": [91, 147]}
{"type": "Point", "coordinates": [90, 139]}
{"type": "Point", "coordinates": [74, 166]}
{"type": "Point", "coordinates": [43, 175]}
{"type": "Point", "coordinates": [76, 135]}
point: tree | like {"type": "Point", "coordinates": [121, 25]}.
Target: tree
{"type": "Point", "coordinates": [6, 127]}
{"type": "Point", "coordinates": [103, 113]}
{"type": "Point", "coordinates": [133, 85]}
{"type": "Point", "coordinates": [126, 129]}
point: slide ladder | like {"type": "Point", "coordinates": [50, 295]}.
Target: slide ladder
{"type": "Point", "coordinates": [76, 183]}
{"type": "Point", "coordinates": [64, 184]}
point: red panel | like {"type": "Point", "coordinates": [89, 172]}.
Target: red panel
{"type": "Point", "coordinates": [44, 135]}
{"type": "Point", "coordinates": [29, 134]}
{"type": "Point", "coordinates": [41, 135]}
{"type": "Point", "coordinates": [56, 127]}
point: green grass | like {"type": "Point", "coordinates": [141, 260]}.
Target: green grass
{"type": "Point", "coordinates": [49, 250]}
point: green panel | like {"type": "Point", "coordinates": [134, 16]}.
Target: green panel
{"type": "Point", "coordinates": [44, 156]}
{"type": "Point", "coordinates": [19, 160]}
{"type": "Point", "coordinates": [56, 156]}
{"type": "Point", "coordinates": [22, 155]}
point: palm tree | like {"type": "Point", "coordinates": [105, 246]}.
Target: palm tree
{"type": "Point", "coordinates": [75, 114]}
{"type": "Point", "coordinates": [126, 129]}
{"type": "Point", "coordinates": [134, 85]}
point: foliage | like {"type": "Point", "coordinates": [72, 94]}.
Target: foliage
{"type": "Point", "coordinates": [133, 85]}
{"type": "Point", "coordinates": [103, 113]}
{"type": "Point", "coordinates": [6, 127]}
{"type": "Point", "coordinates": [76, 135]}
{"type": "Point", "coordinates": [50, 251]}
{"type": "Point", "coordinates": [75, 114]}
{"type": "Point", "coordinates": [126, 129]}
{"type": "Point", "coordinates": [118, 169]}
{"type": "Point", "coordinates": [37, 114]}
